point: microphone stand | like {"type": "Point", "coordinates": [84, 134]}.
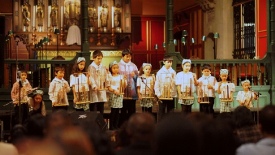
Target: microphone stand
{"type": "Point", "coordinates": [258, 98]}
{"type": "Point", "coordinates": [17, 40]}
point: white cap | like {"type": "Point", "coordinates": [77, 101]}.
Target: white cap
{"type": "Point", "coordinates": [185, 61]}
{"type": "Point", "coordinates": [224, 71]}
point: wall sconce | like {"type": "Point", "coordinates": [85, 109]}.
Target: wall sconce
{"type": "Point", "coordinates": [183, 40]}
{"type": "Point", "coordinates": [203, 38]}
{"type": "Point", "coordinates": [193, 47]}
{"type": "Point", "coordinates": [184, 33]}
{"type": "Point", "coordinates": [163, 45]}
{"type": "Point", "coordinates": [156, 46]}
{"type": "Point", "coordinates": [216, 35]}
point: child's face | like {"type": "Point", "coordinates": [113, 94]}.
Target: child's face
{"type": "Point", "coordinates": [98, 60]}
{"type": "Point", "coordinates": [81, 65]}
{"type": "Point", "coordinates": [23, 76]}
{"type": "Point", "coordinates": [246, 86]}
{"type": "Point", "coordinates": [60, 74]}
{"type": "Point", "coordinates": [37, 98]}
{"type": "Point", "coordinates": [206, 72]}
{"type": "Point", "coordinates": [168, 63]}
{"type": "Point", "coordinates": [115, 69]}
{"type": "Point", "coordinates": [224, 77]}
{"type": "Point", "coordinates": [186, 67]}
{"type": "Point", "coordinates": [127, 58]}
{"type": "Point", "coordinates": [147, 70]}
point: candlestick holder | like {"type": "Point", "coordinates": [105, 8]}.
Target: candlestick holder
{"type": "Point", "coordinates": [50, 38]}
{"type": "Point", "coordinates": [33, 38]}
{"type": "Point", "coordinates": [98, 37]}
{"type": "Point", "coordinates": [61, 36]}
{"type": "Point", "coordinates": [113, 37]}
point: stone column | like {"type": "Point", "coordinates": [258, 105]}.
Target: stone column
{"type": "Point", "coordinates": [85, 52]}
{"type": "Point", "coordinates": [218, 18]}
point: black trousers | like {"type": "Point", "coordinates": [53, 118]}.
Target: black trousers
{"type": "Point", "coordinates": [24, 114]}
{"type": "Point", "coordinates": [186, 108]}
{"type": "Point", "coordinates": [128, 109]}
{"type": "Point", "coordinates": [114, 118]}
{"type": "Point", "coordinates": [208, 108]}
{"type": "Point", "coordinates": [165, 107]}
{"type": "Point", "coordinates": [98, 106]}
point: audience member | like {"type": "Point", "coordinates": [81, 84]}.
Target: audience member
{"type": "Point", "coordinates": [140, 129]}
{"type": "Point", "coordinates": [245, 128]}
{"type": "Point", "coordinates": [35, 126]}
{"type": "Point", "coordinates": [266, 146]}
{"type": "Point", "coordinates": [57, 120]}
{"type": "Point", "coordinates": [100, 140]}
{"type": "Point", "coordinates": [7, 149]}
{"type": "Point", "coordinates": [72, 140]}
{"type": "Point", "coordinates": [215, 135]}
{"type": "Point", "coordinates": [176, 135]}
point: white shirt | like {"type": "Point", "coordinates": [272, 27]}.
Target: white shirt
{"type": "Point", "coordinates": [81, 80]}
{"type": "Point", "coordinates": [165, 78]}
{"type": "Point", "coordinates": [265, 146]}
{"type": "Point", "coordinates": [185, 80]}
{"type": "Point", "coordinates": [203, 83]}
{"type": "Point", "coordinates": [226, 89]}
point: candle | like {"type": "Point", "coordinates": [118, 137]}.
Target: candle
{"type": "Point", "coordinates": [113, 17]}
{"type": "Point", "coordinates": [33, 19]}
{"type": "Point", "coordinates": [127, 22]}
{"type": "Point", "coordinates": [49, 16]}
{"type": "Point", "coordinates": [62, 11]}
{"type": "Point", "coordinates": [98, 18]}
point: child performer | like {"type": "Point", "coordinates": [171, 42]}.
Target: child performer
{"type": "Point", "coordinates": [117, 85]}
{"type": "Point", "coordinates": [186, 82]}
{"type": "Point", "coordinates": [145, 87]}
{"type": "Point", "coordinates": [129, 69]}
{"type": "Point", "coordinates": [36, 103]}
{"type": "Point", "coordinates": [99, 81]}
{"type": "Point", "coordinates": [58, 90]}
{"type": "Point", "coordinates": [246, 97]}
{"type": "Point", "coordinates": [206, 89]}
{"type": "Point", "coordinates": [165, 86]}
{"type": "Point", "coordinates": [24, 87]}
{"type": "Point", "coordinates": [79, 85]}
{"type": "Point", "coordinates": [225, 91]}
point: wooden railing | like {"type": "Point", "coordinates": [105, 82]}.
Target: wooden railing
{"type": "Point", "coordinates": [257, 71]}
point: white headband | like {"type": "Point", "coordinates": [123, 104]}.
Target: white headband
{"type": "Point", "coordinates": [38, 91]}
{"type": "Point", "coordinates": [223, 71]}
{"type": "Point", "coordinates": [185, 61]}
{"type": "Point", "coordinates": [245, 81]}
{"type": "Point", "coordinates": [80, 59]}
{"type": "Point", "coordinates": [146, 64]}
{"type": "Point", "coordinates": [113, 63]}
